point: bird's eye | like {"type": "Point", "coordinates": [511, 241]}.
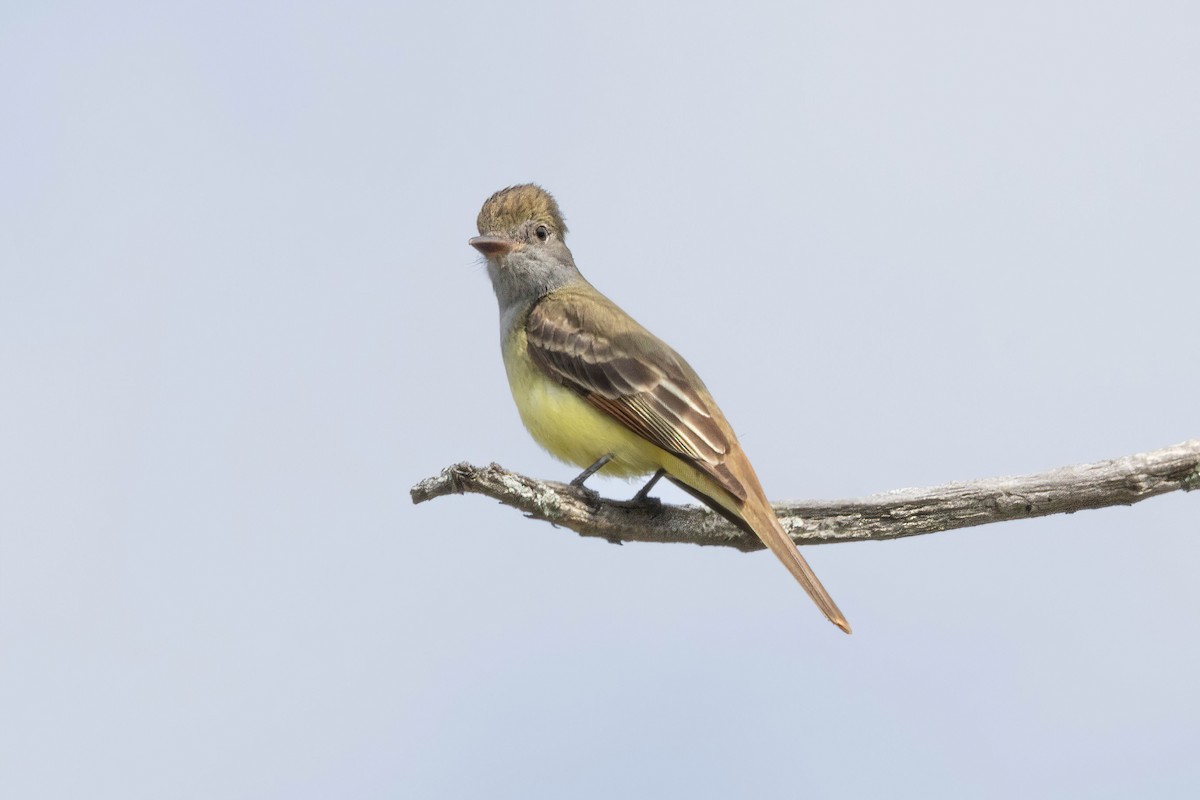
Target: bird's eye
{"type": "Point", "coordinates": [542, 232]}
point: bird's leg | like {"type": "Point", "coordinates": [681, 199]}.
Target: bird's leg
{"type": "Point", "coordinates": [643, 493]}
{"type": "Point", "coordinates": [590, 471]}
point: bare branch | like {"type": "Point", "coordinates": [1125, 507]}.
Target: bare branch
{"type": "Point", "coordinates": [891, 515]}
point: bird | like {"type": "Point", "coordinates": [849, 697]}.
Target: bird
{"type": "Point", "coordinates": [598, 390]}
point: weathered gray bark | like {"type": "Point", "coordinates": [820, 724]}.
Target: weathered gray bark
{"type": "Point", "coordinates": [903, 512]}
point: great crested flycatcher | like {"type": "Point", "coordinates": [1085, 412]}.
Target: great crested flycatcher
{"type": "Point", "coordinates": [598, 390]}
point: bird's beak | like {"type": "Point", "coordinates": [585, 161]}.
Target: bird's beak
{"type": "Point", "coordinates": [493, 245]}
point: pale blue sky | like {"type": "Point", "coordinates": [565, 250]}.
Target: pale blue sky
{"type": "Point", "coordinates": [904, 243]}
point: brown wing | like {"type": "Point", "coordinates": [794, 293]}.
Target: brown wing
{"type": "Point", "coordinates": [587, 343]}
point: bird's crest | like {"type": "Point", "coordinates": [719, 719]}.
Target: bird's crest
{"type": "Point", "coordinates": [509, 209]}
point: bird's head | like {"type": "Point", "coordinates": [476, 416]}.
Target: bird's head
{"type": "Point", "coordinates": [521, 233]}
{"type": "Point", "coordinates": [517, 217]}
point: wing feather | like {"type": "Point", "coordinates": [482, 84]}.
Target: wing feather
{"type": "Point", "coordinates": [625, 371]}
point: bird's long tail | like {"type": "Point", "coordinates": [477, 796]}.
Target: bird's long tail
{"type": "Point", "coordinates": [766, 526]}
{"type": "Point", "coordinates": [756, 516]}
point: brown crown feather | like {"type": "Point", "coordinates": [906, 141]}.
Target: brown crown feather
{"type": "Point", "coordinates": [509, 209]}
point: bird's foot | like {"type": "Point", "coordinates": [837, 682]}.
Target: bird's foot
{"type": "Point", "coordinates": [642, 501]}
{"type": "Point", "coordinates": [590, 495]}
{"type": "Point", "coordinates": [643, 495]}
{"type": "Point", "coordinates": [590, 471]}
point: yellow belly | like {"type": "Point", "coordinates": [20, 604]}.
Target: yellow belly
{"type": "Point", "coordinates": [569, 427]}
{"type": "Point", "coordinates": [574, 431]}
